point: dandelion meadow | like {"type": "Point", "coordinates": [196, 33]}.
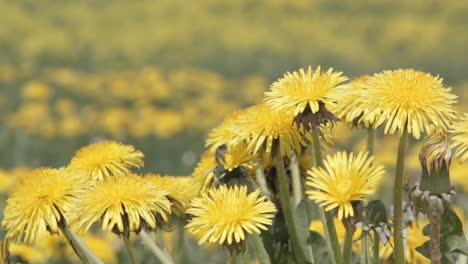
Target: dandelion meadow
{"type": "Point", "coordinates": [234, 132]}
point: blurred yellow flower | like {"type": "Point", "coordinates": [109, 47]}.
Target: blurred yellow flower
{"type": "Point", "coordinates": [225, 132]}
{"type": "Point", "coordinates": [39, 202]}
{"type": "Point", "coordinates": [29, 254]}
{"type": "Point", "coordinates": [344, 179]}
{"type": "Point", "coordinates": [406, 99]}
{"type": "Point", "coordinates": [225, 214]}
{"type": "Point", "coordinates": [306, 88]}
{"type": "Point", "coordinates": [106, 158]}
{"type": "Point", "coordinates": [414, 238]}
{"type": "Point", "coordinates": [460, 138]}
{"type": "Point", "coordinates": [121, 203]}
{"type": "Point", "coordinates": [36, 90]}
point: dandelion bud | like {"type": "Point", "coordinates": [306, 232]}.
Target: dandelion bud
{"type": "Point", "coordinates": [435, 158]}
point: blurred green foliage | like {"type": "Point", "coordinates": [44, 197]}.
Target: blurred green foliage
{"type": "Point", "coordinates": [215, 47]}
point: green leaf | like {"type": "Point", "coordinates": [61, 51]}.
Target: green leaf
{"type": "Point", "coordinates": [319, 246]}
{"type": "Point", "coordinates": [451, 235]}
{"type": "Point", "coordinates": [376, 212]}
{"type": "Point", "coordinates": [303, 214]}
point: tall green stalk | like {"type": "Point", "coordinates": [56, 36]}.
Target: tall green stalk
{"type": "Point", "coordinates": [262, 255]}
{"type": "Point", "coordinates": [260, 177]}
{"type": "Point", "coordinates": [158, 253]}
{"type": "Point", "coordinates": [284, 195]}
{"type": "Point", "coordinates": [348, 243]}
{"type": "Point", "coordinates": [370, 140]}
{"type": "Point", "coordinates": [79, 246]}
{"type": "Point", "coordinates": [398, 252]}
{"type": "Point", "coordinates": [131, 253]}
{"type": "Point", "coordinates": [296, 179]}
{"type": "Point", "coordinates": [376, 239]}
{"type": "Point", "coordinates": [327, 217]}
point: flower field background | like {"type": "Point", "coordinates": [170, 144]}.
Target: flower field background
{"type": "Point", "coordinates": [160, 75]}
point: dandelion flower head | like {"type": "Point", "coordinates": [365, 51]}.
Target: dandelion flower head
{"type": "Point", "coordinates": [306, 88]}
{"type": "Point", "coordinates": [407, 99]}
{"type": "Point", "coordinates": [224, 215]}
{"type": "Point", "coordinates": [460, 138]}
{"type": "Point", "coordinates": [106, 158]}
{"type": "Point", "coordinates": [39, 202]}
{"type": "Point", "coordinates": [343, 179]}
{"type": "Point", "coordinates": [122, 203]}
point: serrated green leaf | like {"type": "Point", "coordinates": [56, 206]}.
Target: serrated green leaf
{"type": "Point", "coordinates": [451, 235]}
{"type": "Point", "coordinates": [376, 212]}
{"type": "Point", "coordinates": [303, 214]}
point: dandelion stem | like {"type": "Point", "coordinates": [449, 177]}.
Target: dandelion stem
{"type": "Point", "coordinates": [376, 248]}
{"type": "Point", "coordinates": [246, 256]}
{"type": "Point", "coordinates": [128, 245]}
{"type": "Point", "coordinates": [284, 194]}
{"type": "Point", "coordinates": [260, 176]}
{"type": "Point", "coordinates": [434, 220]}
{"type": "Point", "coordinates": [158, 253]}
{"type": "Point", "coordinates": [370, 140]}
{"type": "Point", "coordinates": [399, 253]}
{"type": "Point", "coordinates": [233, 258]}
{"type": "Point", "coordinates": [296, 179]}
{"type": "Point", "coordinates": [262, 255]}
{"type": "Point", "coordinates": [348, 242]}
{"type": "Point", "coordinates": [365, 249]}
{"type": "Point", "coordinates": [326, 217]}
{"type": "Point", "coordinates": [84, 253]}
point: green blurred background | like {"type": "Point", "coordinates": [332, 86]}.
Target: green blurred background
{"type": "Point", "coordinates": [160, 74]}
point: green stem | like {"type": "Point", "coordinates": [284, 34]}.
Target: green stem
{"type": "Point", "coordinates": [246, 256]}
{"type": "Point", "coordinates": [326, 217]}
{"type": "Point", "coordinates": [262, 255]}
{"type": "Point", "coordinates": [399, 253]}
{"type": "Point", "coordinates": [233, 258]}
{"type": "Point", "coordinates": [158, 253]}
{"type": "Point", "coordinates": [260, 176]}
{"type": "Point", "coordinates": [128, 245]}
{"type": "Point", "coordinates": [284, 195]}
{"type": "Point", "coordinates": [434, 221]}
{"type": "Point", "coordinates": [84, 253]}
{"type": "Point", "coordinates": [348, 243]}
{"type": "Point", "coordinates": [365, 249]}
{"type": "Point", "coordinates": [376, 249]}
{"type": "Point", "coordinates": [296, 179]}
{"type": "Point", "coordinates": [370, 141]}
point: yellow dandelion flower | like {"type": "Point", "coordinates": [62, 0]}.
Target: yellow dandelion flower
{"type": "Point", "coordinates": [269, 130]}
{"type": "Point", "coordinates": [203, 172]}
{"type": "Point", "coordinates": [460, 138]}
{"type": "Point", "coordinates": [39, 202]}
{"type": "Point", "coordinates": [122, 203]}
{"type": "Point", "coordinates": [238, 155]}
{"type": "Point", "coordinates": [28, 254]}
{"type": "Point", "coordinates": [225, 214]}
{"type": "Point", "coordinates": [306, 88]}
{"type": "Point", "coordinates": [351, 109]}
{"type": "Point", "coordinates": [407, 99]}
{"type": "Point", "coordinates": [101, 246]}
{"type": "Point", "coordinates": [106, 158]}
{"type": "Point", "coordinates": [182, 189]}
{"type": "Point", "coordinates": [342, 180]}
{"type": "Point", "coordinates": [224, 133]}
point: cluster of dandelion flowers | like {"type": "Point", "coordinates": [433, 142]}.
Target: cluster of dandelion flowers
{"type": "Point", "coordinates": [269, 130]}
{"type": "Point", "coordinates": [225, 214]}
{"type": "Point", "coordinates": [460, 138]}
{"type": "Point", "coordinates": [40, 203]}
{"type": "Point", "coordinates": [123, 204]}
{"type": "Point", "coordinates": [106, 158]}
{"type": "Point", "coordinates": [343, 179]}
{"type": "Point", "coordinates": [306, 88]}
{"type": "Point", "coordinates": [407, 99]}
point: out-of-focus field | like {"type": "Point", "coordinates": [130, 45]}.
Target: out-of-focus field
{"type": "Point", "coordinates": [160, 74]}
